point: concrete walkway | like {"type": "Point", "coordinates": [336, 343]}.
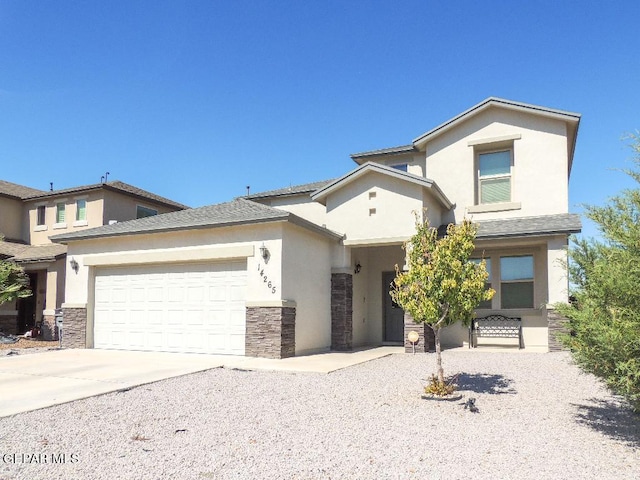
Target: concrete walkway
{"type": "Point", "coordinates": [32, 381]}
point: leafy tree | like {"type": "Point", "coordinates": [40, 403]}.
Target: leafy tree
{"type": "Point", "coordinates": [604, 319]}
{"type": "Point", "coordinates": [442, 286]}
{"type": "Point", "coordinates": [14, 283]}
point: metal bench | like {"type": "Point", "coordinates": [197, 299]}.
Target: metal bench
{"type": "Point", "coordinates": [495, 326]}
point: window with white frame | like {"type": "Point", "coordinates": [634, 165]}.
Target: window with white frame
{"type": "Point", "coordinates": [516, 281]}
{"type": "Point", "coordinates": [60, 212]}
{"type": "Point", "coordinates": [81, 210]}
{"type": "Point", "coordinates": [494, 177]}
{"type": "Point", "coordinates": [487, 283]}
{"type": "Point", "coordinates": [142, 212]}
{"type": "Point", "coordinates": [41, 212]}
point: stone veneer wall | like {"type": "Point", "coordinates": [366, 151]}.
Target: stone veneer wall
{"type": "Point", "coordinates": [9, 324]}
{"type": "Point", "coordinates": [341, 311]}
{"type": "Point", "coordinates": [270, 332]}
{"type": "Point", "coordinates": [426, 342]}
{"type": "Point", "coordinates": [74, 328]}
{"type": "Point", "coordinates": [49, 329]}
{"type": "Point", "coordinates": [556, 325]}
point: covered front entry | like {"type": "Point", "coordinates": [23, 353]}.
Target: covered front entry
{"type": "Point", "coordinates": [188, 308]}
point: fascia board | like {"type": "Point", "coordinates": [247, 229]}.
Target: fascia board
{"type": "Point", "coordinates": [572, 117]}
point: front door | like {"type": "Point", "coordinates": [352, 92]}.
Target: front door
{"type": "Point", "coordinates": [393, 314]}
{"type": "Point", "coordinates": [27, 306]}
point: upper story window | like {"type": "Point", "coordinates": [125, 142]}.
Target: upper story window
{"type": "Point", "coordinates": [81, 210]}
{"type": "Point", "coordinates": [142, 212]}
{"type": "Point", "coordinates": [516, 281]}
{"type": "Point", "coordinates": [41, 211]}
{"type": "Point", "coordinates": [401, 166]}
{"type": "Point", "coordinates": [494, 177]}
{"type": "Point", "coordinates": [60, 212]}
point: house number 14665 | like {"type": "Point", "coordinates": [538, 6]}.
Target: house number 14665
{"type": "Point", "coordinates": [265, 279]}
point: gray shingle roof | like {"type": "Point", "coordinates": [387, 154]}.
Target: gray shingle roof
{"type": "Point", "coordinates": [563, 223]}
{"type": "Point", "coordinates": [115, 185]}
{"type": "Point", "coordinates": [237, 212]}
{"type": "Point", "coordinates": [383, 151]}
{"type": "Point", "coordinates": [17, 191]}
{"type": "Point", "coordinates": [294, 190]}
{"type": "Point", "coordinates": [31, 253]}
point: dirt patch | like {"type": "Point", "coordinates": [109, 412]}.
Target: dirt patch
{"type": "Point", "coordinates": [24, 343]}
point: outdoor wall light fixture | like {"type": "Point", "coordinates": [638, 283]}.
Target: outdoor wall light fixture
{"type": "Point", "coordinates": [264, 252]}
{"type": "Point", "coordinates": [74, 265]}
{"type": "Point", "coordinates": [358, 268]}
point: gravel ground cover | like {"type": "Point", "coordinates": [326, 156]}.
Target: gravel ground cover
{"type": "Point", "coordinates": [539, 418]}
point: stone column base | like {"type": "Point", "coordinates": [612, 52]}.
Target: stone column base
{"type": "Point", "coordinates": [341, 311]}
{"type": "Point", "coordinates": [270, 332]}
{"type": "Point", "coordinates": [49, 329]}
{"type": "Point", "coordinates": [74, 327]}
{"type": "Point", "coordinates": [426, 341]}
{"type": "Point", "coordinates": [557, 324]}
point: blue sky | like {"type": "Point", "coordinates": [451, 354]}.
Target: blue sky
{"type": "Point", "coordinates": [194, 100]}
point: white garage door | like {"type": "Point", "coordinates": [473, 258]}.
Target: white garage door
{"type": "Point", "coordinates": [171, 308]}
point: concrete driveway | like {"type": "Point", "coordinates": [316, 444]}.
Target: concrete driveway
{"type": "Point", "coordinates": [38, 380]}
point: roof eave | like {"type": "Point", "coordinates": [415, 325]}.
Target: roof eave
{"type": "Point", "coordinates": [420, 141]}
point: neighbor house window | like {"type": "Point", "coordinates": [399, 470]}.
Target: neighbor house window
{"type": "Point", "coordinates": [142, 212]}
{"type": "Point", "coordinates": [81, 210]}
{"type": "Point", "coordinates": [402, 167]}
{"type": "Point", "coordinates": [60, 212]}
{"type": "Point", "coordinates": [487, 284]}
{"type": "Point", "coordinates": [516, 281]}
{"type": "Point", "coordinates": [494, 177]}
{"type": "Point", "coordinates": [40, 215]}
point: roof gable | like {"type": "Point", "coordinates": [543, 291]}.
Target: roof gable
{"type": "Point", "coordinates": [322, 193]}
{"type": "Point", "coordinates": [490, 102]}
{"type": "Point", "coordinates": [419, 143]}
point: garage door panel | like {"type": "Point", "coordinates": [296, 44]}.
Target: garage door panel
{"type": "Point", "coordinates": [181, 308]}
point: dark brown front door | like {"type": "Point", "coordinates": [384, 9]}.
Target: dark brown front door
{"type": "Point", "coordinates": [393, 314]}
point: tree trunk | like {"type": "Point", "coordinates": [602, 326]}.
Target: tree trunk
{"type": "Point", "coordinates": [436, 334]}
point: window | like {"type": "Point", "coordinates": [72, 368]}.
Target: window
{"type": "Point", "coordinates": [60, 212]}
{"type": "Point", "coordinates": [81, 210]}
{"type": "Point", "coordinates": [40, 215]}
{"type": "Point", "coordinates": [402, 167]}
{"type": "Point", "coordinates": [487, 284]}
{"type": "Point", "coordinates": [516, 282]}
{"type": "Point", "coordinates": [494, 177]}
{"type": "Point", "coordinates": [142, 212]}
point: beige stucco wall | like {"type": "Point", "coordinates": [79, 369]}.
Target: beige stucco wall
{"type": "Point", "coordinates": [11, 219]}
{"type": "Point", "coordinates": [300, 205]}
{"type": "Point", "coordinates": [120, 207]}
{"type": "Point", "coordinates": [374, 207]}
{"type": "Point", "coordinates": [189, 246]}
{"type": "Point", "coordinates": [540, 178]}
{"type": "Point", "coordinates": [306, 279]}
{"type": "Point", "coordinates": [39, 235]}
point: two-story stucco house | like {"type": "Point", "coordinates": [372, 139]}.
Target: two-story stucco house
{"type": "Point", "coordinates": [308, 268]}
{"type": "Point", "coordinates": [28, 217]}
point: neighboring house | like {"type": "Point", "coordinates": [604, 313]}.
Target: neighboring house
{"type": "Point", "coordinates": [28, 217]}
{"type": "Point", "coordinates": [308, 268]}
